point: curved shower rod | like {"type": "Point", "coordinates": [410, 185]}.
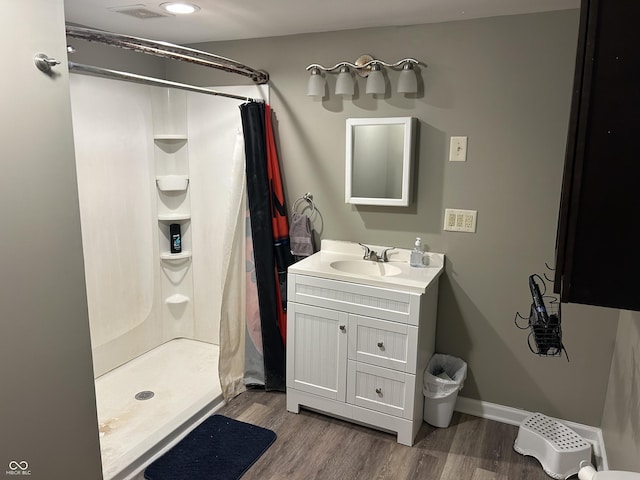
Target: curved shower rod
{"type": "Point", "coordinates": [157, 82]}
{"type": "Point", "coordinates": [168, 50]}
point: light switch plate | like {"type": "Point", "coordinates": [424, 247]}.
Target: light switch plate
{"type": "Point", "coordinates": [458, 149]}
{"type": "Point", "coordinates": [456, 220]}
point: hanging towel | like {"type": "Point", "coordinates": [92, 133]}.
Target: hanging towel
{"type": "Point", "coordinates": [300, 235]}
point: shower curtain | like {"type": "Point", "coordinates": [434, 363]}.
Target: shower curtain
{"type": "Point", "coordinates": [254, 357]}
{"type": "Point", "coordinates": [233, 309]}
{"type": "Point", "coordinates": [270, 237]}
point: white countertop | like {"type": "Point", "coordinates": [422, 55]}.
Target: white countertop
{"type": "Point", "coordinates": [409, 279]}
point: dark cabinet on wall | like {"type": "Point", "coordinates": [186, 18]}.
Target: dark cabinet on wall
{"type": "Point", "coordinates": [598, 243]}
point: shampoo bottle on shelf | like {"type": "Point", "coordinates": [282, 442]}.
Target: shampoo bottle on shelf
{"type": "Point", "coordinates": [417, 258]}
{"type": "Point", "coordinates": [176, 238]}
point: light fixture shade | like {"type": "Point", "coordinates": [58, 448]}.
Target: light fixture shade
{"type": "Point", "coordinates": [315, 86]}
{"type": "Point", "coordinates": [375, 80]}
{"type": "Point", "coordinates": [407, 81]}
{"type": "Point", "coordinates": [344, 83]}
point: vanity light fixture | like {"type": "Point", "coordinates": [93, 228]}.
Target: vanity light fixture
{"type": "Point", "coordinates": [315, 85]}
{"type": "Point", "coordinates": [407, 80]}
{"type": "Point", "coordinates": [375, 80]}
{"type": "Point", "coordinates": [344, 83]}
{"type": "Point", "coordinates": [367, 67]}
{"type": "Point", "coordinates": [181, 8]}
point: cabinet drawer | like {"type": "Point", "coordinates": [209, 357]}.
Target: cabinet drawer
{"type": "Point", "coordinates": [380, 389]}
{"type": "Point", "coordinates": [386, 344]}
{"type": "Point", "coordinates": [348, 297]}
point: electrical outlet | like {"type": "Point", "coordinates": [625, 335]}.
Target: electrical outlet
{"type": "Point", "coordinates": [458, 149]}
{"type": "Point", "coordinates": [456, 220]}
{"type": "Point", "coordinates": [450, 219]}
{"type": "Point", "coordinates": [470, 220]}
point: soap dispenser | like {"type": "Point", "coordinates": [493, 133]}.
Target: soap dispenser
{"type": "Point", "coordinates": [417, 254]}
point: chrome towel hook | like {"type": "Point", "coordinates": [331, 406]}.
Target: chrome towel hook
{"type": "Point", "coordinates": [45, 63]}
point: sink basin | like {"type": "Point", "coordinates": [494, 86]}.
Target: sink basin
{"type": "Point", "coordinates": [342, 261]}
{"type": "Point", "coordinates": [366, 267]}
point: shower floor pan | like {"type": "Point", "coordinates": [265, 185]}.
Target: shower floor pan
{"type": "Point", "coordinates": [177, 386]}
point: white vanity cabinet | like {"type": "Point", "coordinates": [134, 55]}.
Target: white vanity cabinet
{"type": "Point", "coordinates": [318, 362]}
{"type": "Point", "coordinates": [358, 351]}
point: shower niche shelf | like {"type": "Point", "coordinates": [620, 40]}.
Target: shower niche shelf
{"type": "Point", "coordinates": [168, 256]}
{"type": "Point", "coordinates": [177, 299]}
{"type": "Point", "coordinates": [171, 137]}
{"type": "Point", "coordinates": [174, 216]}
{"type": "Point", "coordinates": [173, 196]}
{"type": "Point", "coordinates": [174, 202]}
{"type": "Point", "coordinates": [172, 183]}
{"type": "Point", "coordinates": [171, 155]}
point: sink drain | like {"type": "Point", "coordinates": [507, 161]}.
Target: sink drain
{"type": "Point", "coordinates": [144, 395]}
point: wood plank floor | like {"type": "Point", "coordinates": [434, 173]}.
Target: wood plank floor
{"type": "Point", "coordinates": [314, 446]}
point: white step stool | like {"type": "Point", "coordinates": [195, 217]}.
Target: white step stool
{"type": "Point", "coordinates": [558, 448]}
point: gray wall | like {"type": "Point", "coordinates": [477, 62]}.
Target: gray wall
{"type": "Point", "coordinates": [621, 416]}
{"type": "Point", "coordinates": [505, 82]}
{"type": "Point", "coordinates": [47, 400]}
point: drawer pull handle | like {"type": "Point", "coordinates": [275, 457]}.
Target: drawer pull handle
{"type": "Point", "coordinates": [381, 345]}
{"type": "Point", "coordinates": [379, 391]}
{"type": "Point", "coordinates": [343, 328]}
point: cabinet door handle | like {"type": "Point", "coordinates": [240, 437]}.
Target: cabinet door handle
{"type": "Point", "coordinates": [379, 391]}
{"type": "Point", "coordinates": [381, 345]}
{"type": "Point", "coordinates": [343, 328]}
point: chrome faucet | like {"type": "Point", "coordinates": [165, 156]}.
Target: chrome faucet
{"type": "Point", "coordinates": [375, 257]}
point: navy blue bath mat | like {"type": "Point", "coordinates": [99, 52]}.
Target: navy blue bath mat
{"type": "Point", "coordinates": [220, 448]}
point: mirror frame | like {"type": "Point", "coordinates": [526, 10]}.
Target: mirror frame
{"type": "Point", "coordinates": [407, 161]}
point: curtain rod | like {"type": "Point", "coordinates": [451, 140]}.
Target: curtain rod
{"type": "Point", "coordinates": [168, 50]}
{"type": "Point", "coordinates": [134, 77]}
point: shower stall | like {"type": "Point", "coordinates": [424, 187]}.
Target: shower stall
{"type": "Point", "coordinates": [147, 158]}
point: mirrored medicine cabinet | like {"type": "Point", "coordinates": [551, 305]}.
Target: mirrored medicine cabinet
{"type": "Point", "coordinates": [379, 159]}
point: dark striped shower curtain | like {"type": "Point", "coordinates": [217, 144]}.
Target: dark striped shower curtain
{"type": "Point", "coordinates": [270, 237]}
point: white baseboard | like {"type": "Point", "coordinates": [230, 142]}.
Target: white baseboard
{"type": "Point", "coordinates": [515, 416]}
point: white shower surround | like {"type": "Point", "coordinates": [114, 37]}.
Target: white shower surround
{"type": "Point", "coordinates": [113, 135]}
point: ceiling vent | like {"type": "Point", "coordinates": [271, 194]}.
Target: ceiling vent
{"type": "Point", "coordinates": [139, 11]}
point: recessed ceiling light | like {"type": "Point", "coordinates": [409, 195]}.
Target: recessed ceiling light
{"type": "Point", "coordinates": [180, 7]}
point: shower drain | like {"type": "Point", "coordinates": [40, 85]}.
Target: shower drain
{"type": "Point", "coordinates": [144, 395]}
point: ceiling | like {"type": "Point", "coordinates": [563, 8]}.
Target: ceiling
{"type": "Point", "coordinates": [220, 20]}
